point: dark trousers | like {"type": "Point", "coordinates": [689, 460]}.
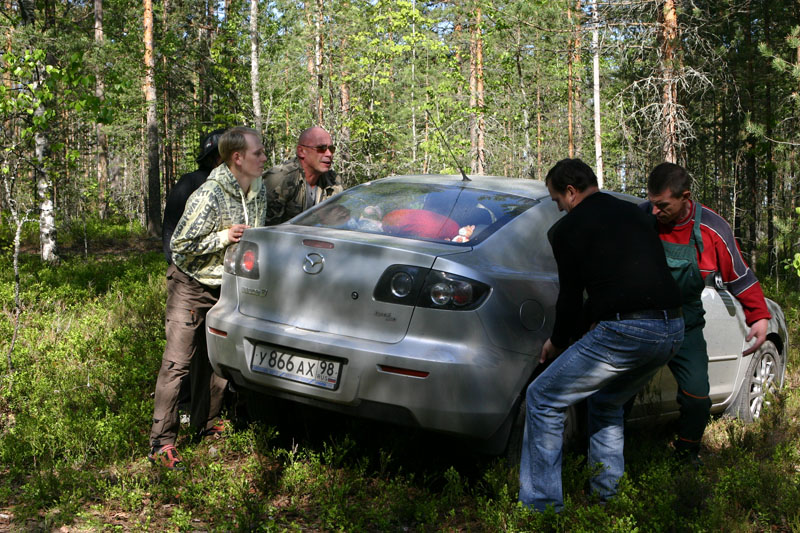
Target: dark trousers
{"type": "Point", "coordinates": [188, 301]}
{"type": "Point", "coordinates": [690, 368]}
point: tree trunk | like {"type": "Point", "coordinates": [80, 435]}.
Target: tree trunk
{"type": "Point", "coordinates": [476, 96]}
{"type": "Point", "coordinates": [577, 79]}
{"type": "Point", "coordinates": [318, 53]}
{"type": "Point", "coordinates": [538, 130]}
{"type": "Point", "coordinates": [769, 168]}
{"type": "Point", "coordinates": [598, 140]}
{"type": "Point", "coordinates": [570, 116]}
{"type": "Point", "coordinates": [668, 38]}
{"type": "Point", "coordinates": [44, 187]}
{"type": "Point", "coordinates": [102, 138]}
{"type": "Point", "coordinates": [254, 77]}
{"type": "Point", "coordinates": [153, 181]}
{"type": "Point", "coordinates": [750, 147]}
{"type": "Point", "coordinates": [526, 119]}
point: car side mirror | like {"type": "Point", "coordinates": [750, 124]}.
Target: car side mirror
{"type": "Point", "coordinates": [714, 279]}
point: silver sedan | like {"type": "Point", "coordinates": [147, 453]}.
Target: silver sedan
{"type": "Point", "coordinates": [424, 301]}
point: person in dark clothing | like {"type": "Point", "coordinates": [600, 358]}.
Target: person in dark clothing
{"type": "Point", "coordinates": [187, 184]}
{"type": "Point", "coordinates": [608, 248]}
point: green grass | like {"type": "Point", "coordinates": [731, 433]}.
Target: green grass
{"type": "Point", "coordinates": [75, 417]}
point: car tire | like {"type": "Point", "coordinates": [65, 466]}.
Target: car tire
{"type": "Point", "coordinates": [764, 373]}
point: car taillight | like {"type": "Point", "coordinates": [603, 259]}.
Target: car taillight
{"type": "Point", "coordinates": [241, 259]}
{"type": "Point", "coordinates": [409, 285]}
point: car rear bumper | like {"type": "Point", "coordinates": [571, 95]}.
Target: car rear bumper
{"type": "Point", "coordinates": [470, 386]}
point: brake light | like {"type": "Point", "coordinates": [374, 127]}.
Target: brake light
{"type": "Point", "coordinates": [410, 285]}
{"type": "Point", "coordinates": [241, 259]}
{"type": "Point", "coordinates": [248, 261]}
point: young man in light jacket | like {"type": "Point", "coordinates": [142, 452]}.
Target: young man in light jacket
{"type": "Point", "coordinates": [232, 199]}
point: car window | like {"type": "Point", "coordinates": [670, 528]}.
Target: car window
{"type": "Point", "coordinates": [418, 211]}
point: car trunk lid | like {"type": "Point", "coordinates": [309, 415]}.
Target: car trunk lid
{"type": "Point", "coordinates": [323, 280]}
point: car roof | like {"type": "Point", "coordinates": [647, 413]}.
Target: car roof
{"type": "Point", "coordinates": [524, 187]}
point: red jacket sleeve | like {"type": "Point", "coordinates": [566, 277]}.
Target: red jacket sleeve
{"type": "Point", "coordinates": [721, 253]}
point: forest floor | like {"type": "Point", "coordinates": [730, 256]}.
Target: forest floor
{"type": "Point", "coordinates": [75, 414]}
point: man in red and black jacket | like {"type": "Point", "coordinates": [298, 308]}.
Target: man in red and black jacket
{"type": "Point", "coordinates": [697, 241]}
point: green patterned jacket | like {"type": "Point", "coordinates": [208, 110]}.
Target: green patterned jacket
{"type": "Point", "coordinates": [199, 242]}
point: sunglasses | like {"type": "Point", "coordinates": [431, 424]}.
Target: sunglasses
{"type": "Point", "coordinates": [322, 148]}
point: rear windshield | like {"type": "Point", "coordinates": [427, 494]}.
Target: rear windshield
{"type": "Point", "coordinates": [420, 211]}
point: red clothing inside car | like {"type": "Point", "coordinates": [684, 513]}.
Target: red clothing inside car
{"type": "Point", "coordinates": [721, 253]}
{"type": "Point", "coordinates": [419, 223]}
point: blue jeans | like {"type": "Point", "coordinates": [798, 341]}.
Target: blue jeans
{"type": "Point", "coordinates": [608, 366]}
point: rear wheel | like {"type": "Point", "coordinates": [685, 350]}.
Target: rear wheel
{"type": "Point", "coordinates": [763, 377]}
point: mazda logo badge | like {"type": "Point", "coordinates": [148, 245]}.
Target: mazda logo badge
{"type": "Point", "coordinates": [313, 263]}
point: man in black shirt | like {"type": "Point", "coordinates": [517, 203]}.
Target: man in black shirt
{"type": "Point", "coordinates": [608, 248]}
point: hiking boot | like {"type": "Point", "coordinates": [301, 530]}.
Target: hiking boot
{"type": "Point", "coordinates": [166, 456]}
{"type": "Point", "coordinates": [689, 457]}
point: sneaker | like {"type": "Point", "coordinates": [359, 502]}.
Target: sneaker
{"type": "Point", "coordinates": [214, 431]}
{"type": "Point", "coordinates": [166, 456]}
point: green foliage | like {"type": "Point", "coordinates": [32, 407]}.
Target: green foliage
{"type": "Point", "coordinates": [74, 422]}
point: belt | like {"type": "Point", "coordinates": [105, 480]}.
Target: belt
{"type": "Point", "coordinates": [653, 314]}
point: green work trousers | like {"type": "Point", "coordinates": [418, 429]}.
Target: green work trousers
{"type": "Point", "coordinates": [690, 368]}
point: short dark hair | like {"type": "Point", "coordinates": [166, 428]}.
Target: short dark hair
{"type": "Point", "coordinates": [571, 172]}
{"type": "Point", "coordinates": [234, 140]}
{"type": "Point", "coordinates": [669, 176]}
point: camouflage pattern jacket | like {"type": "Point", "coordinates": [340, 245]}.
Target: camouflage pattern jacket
{"type": "Point", "coordinates": [200, 239]}
{"type": "Point", "coordinates": [287, 188]}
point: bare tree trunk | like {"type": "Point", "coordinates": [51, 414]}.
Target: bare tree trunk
{"type": "Point", "coordinates": [476, 97]}
{"type": "Point", "coordinates": [668, 38]}
{"type": "Point", "coordinates": [750, 148]}
{"type": "Point", "coordinates": [318, 52]}
{"type": "Point", "coordinates": [570, 116]}
{"type": "Point", "coordinates": [770, 166]}
{"type": "Point", "coordinates": [168, 137]}
{"type": "Point", "coordinates": [413, 87]}
{"type": "Point", "coordinates": [538, 130]}
{"type": "Point", "coordinates": [598, 139]}
{"type": "Point", "coordinates": [153, 181]}
{"type": "Point", "coordinates": [577, 79]}
{"type": "Point", "coordinates": [102, 138]}
{"type": "Point", "coordinates": [526, 119]}
{"type": "Point", "coordinates": [254, 77]}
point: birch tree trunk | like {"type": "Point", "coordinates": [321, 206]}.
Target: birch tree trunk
{"type": "Point", "coordinates": [102, 138]}
{"type": "Point", "coordinates": [254, 77]}
{"type": "Point", "coordinates": [153, 214]}
{"type": "Point", "coordinates": [598, 140]}
{"type": "Point", "coordinates": [44, 187]}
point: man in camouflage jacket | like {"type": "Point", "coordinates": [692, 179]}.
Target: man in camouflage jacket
{"type": "Point", "coordinates": [232, 199]}
{"type": "Point", "coordinates": [303, 181]}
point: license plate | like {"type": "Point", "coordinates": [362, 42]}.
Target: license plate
{"type": "Point", "coordinates": [315, 371]}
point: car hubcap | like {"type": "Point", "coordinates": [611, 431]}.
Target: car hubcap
{"type": "Point", "coordinates": [763, 382]}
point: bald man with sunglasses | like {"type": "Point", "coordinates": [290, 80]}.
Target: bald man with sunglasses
{"type": "Point", "coordinates": [303, 181]}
